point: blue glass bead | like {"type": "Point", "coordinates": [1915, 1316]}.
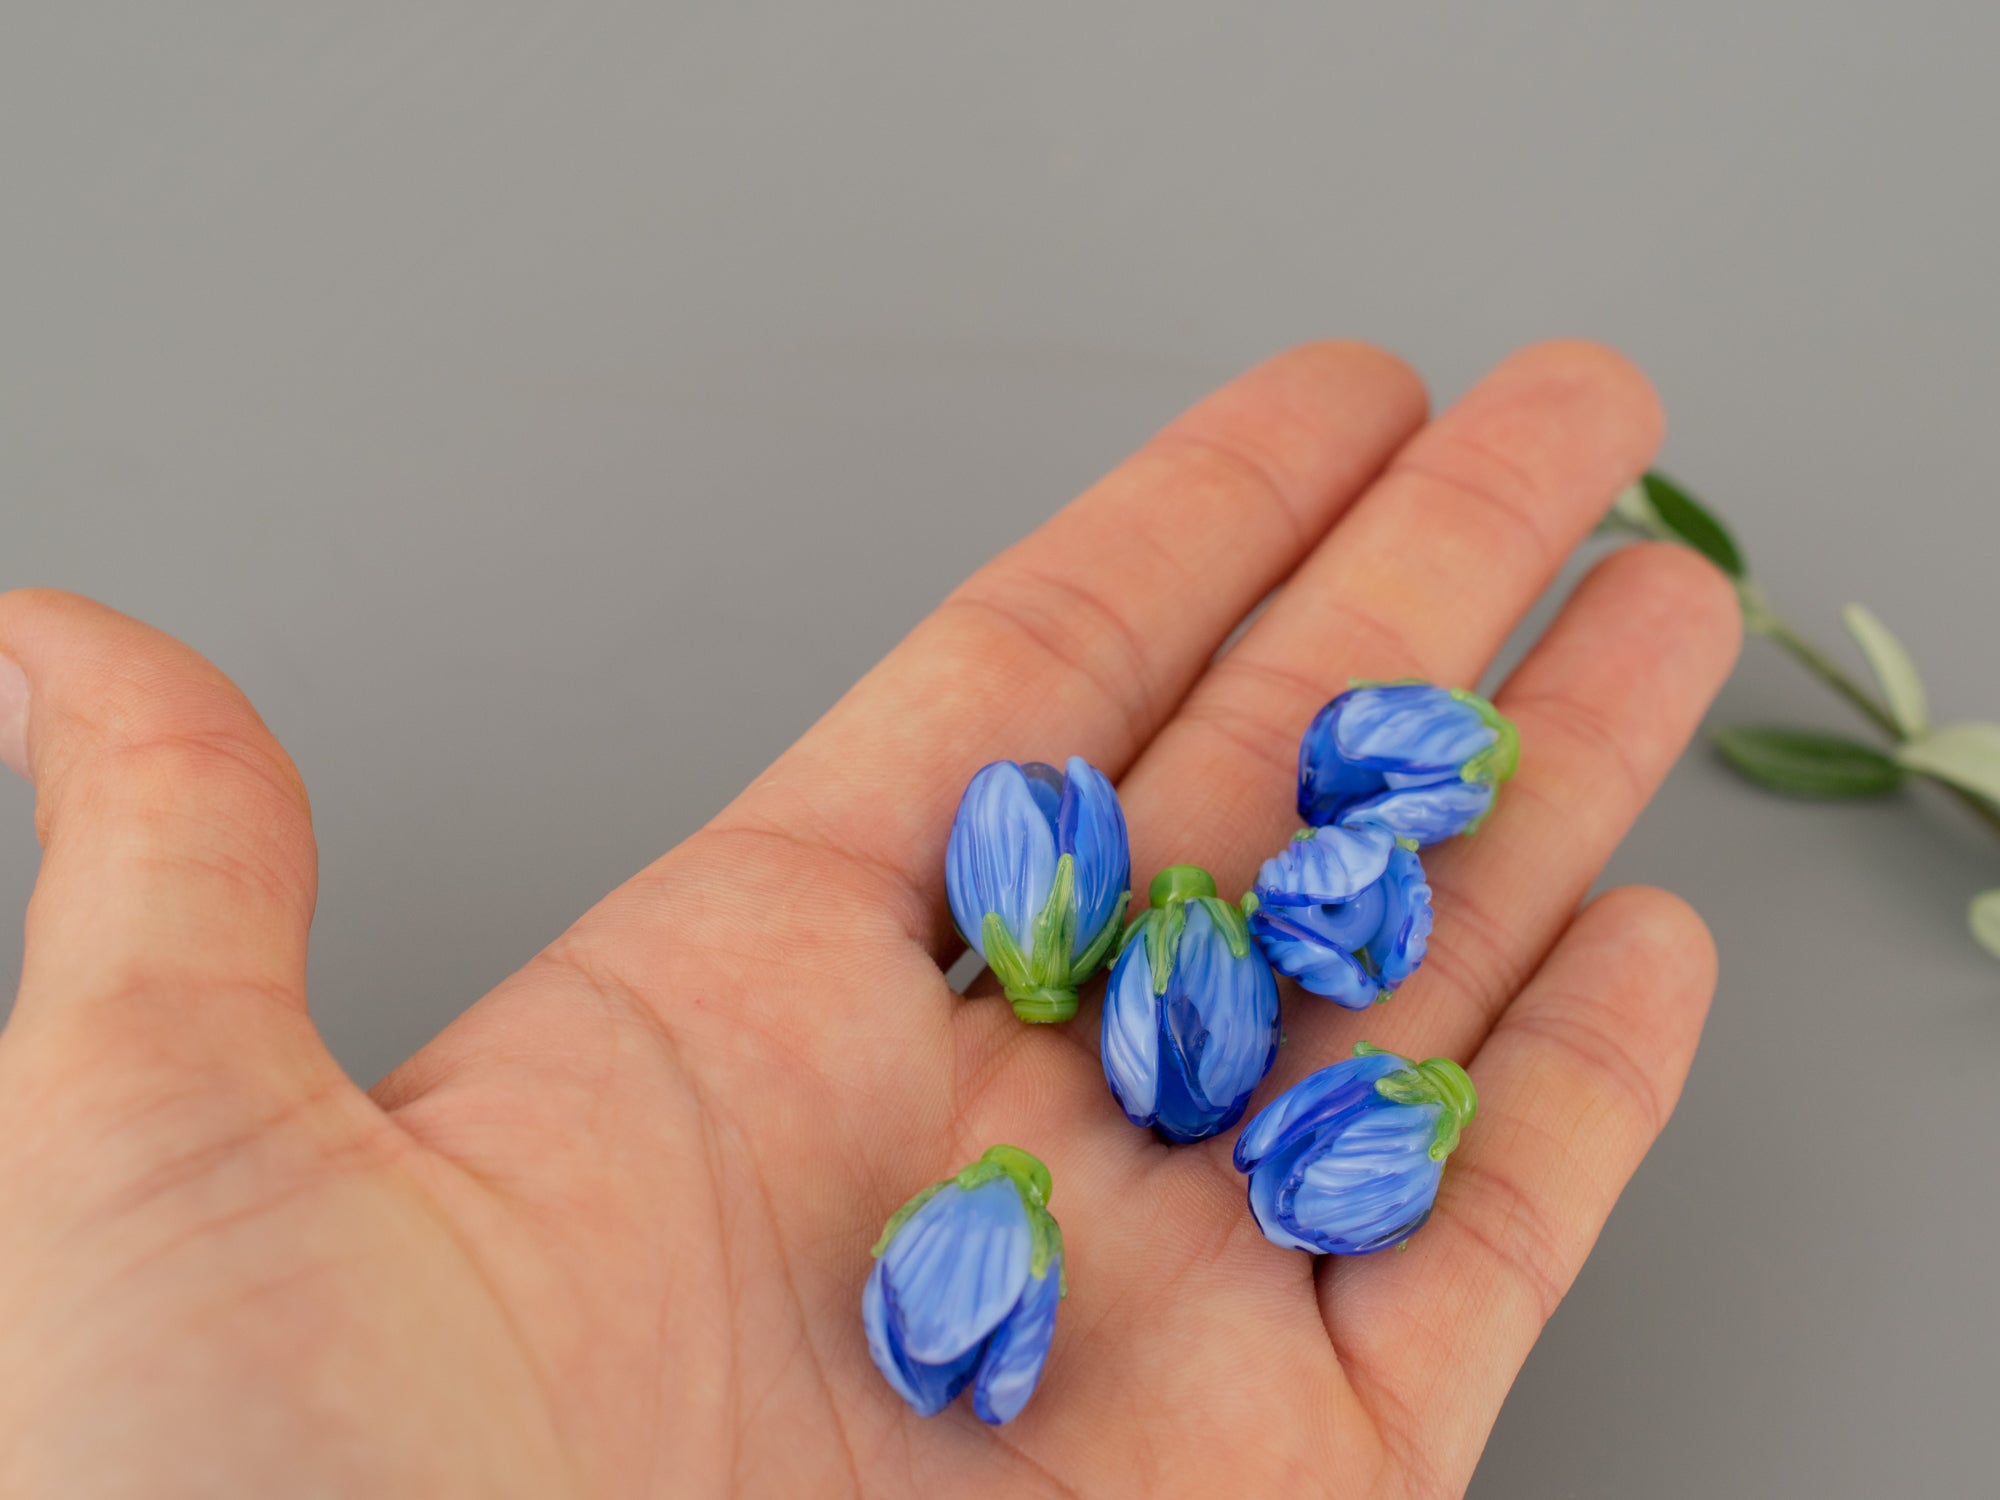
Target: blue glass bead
{"type": "Point", "coordinates": [964, 1290]}
{"type": "Point", "coordinates": [1038, 871]}
{"type": "Point", "coordinates": [1348, 1160]}
{"type": "Point", "coordinates": [1190, 1012]}
{"type": "Point", "coordinates": [1421, 761]}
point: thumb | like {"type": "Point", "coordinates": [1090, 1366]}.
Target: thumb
{"type": "Point", "coordinates": [178, 874]}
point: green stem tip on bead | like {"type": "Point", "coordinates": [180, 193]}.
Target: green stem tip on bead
{"type": "Point", "coordinates": [1180, 883]}
{"type": "Point", "coordinates": [1436, 1080]}
{"type": "Point", "coordinates": [1502, 758]}
{"type": "Point", "coordinates": [1173, 891]}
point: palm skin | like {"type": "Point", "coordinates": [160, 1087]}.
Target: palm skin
{"type": "Point", "coordinates": [606, 1235]}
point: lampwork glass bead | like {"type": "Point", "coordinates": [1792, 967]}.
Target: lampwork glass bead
{"type": "Point", "coordinates": [1190, 1011]}
{"type": "Point", "coordinates": [1348, 1160]}
{"type": "Point", "coordinates": [1422, 761]}
{"type": "Point", "coordinates": [1038, 871]}
{"type": "Point", "coordinates": [965, 1286]}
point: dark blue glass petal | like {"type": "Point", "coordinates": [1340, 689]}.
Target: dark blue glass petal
{"type": "Point", "coordinates": [1046, 783]}
{"type": "Point", "coordinates": [1222, 1014]}
{"type": "Point", "coordinates": [1091, 825]}
{"type": "Point", "coordinates": [928, 1389]}
{"type": "Point", "coordinates": [1329, 784]}
{"type": "Point", "coordinates": [953, 1271]}
{"type": "Point", "coordinates": [1313, 1101]}
{"type": "Point", "coordinates": [1015, 1354]}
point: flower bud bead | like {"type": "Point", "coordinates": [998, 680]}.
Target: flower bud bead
{"type": "Point", "coordinates": [1348, 1160]}
{"type": "Point", "coordinates": [1190, 1012]}
{"type": "Point", "coordinates": [964, 1290]}
{"type": "Point", "coordinates": [1038, 871]}
{"type": "Point", "coordinates": [1346, 912]}
{"type": "Point", "coordinates": [1418, 760]}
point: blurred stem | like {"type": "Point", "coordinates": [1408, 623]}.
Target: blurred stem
{"type": "Point", "coordinates": [1760, 618]}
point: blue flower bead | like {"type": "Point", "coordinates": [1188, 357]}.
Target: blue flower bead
{"type": "Point", "coordinates": [1190, 1012]}
{"type": "Point", "coordinates": [1347, 1161]}
{"type": "Point", "coordinates": [1344, 911]}
{"type": "Point", "coordinates": [964, 1291]}
{"type": "Point", "coordinates": [1421, 761]}
{"type": "Point", "coordinates": [1038, 870]}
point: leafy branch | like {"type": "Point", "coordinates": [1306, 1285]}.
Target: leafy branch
{"type": "Point", "coordinates": [1962, 758]}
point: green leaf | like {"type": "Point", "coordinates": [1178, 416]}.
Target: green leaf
{"type": "Point", "coordinates": [1966, 755]}
{"type": "Point", "coordinates": [1984, 917]}
{"type": "Point", "coordinates": [1631, 514]}
{"type": "Point", "coordinates": [1694, 523]}
{"type": "Point", "coordinates": [1892, 667]}
{"type": "Point", "coordinates": [1806, 763]}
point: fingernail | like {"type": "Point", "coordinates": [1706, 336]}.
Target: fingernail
{"type": "Point", "coordinates": [13, 716]}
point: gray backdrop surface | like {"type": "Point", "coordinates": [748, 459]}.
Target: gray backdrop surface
{"type": "Point", "coordinates": [544, 412]}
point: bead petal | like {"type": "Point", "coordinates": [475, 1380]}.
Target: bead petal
{"type": "Point", "coordinates": [928, 1389]}
{"type": "Point", "coordinates": [1001, 857]}
{"type": "Point", "coordinates": [1366, 1182]}
{"type": "Point", "coordinates": [1312, 1101]}
{"type": "Point", "coordinates": [1129, 1041]}
{"type": "Point", "coordinates": [1299, 951]}
{"type": "Point", "coordinates": [955, 1269]}
{"type": "Point", "coordinates": [1091, 825]}
{"type": "Point", "coordinates": [1334, 865]}
{"type": "Point", "coordinates": [1408, 727]}
{"type": "Point", "coordinates": [1406, 920]}
{"type": "Point", "coordinates": [1428, 812]}
{"type": "Point", "coordinates": [1236, 1003]}
{"type": "Point", "coordinates": [1016, 1352]}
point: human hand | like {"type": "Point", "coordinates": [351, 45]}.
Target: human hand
{"type": "Point", "coordinates": [606, 1235]}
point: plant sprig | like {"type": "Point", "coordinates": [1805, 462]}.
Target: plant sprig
{"type": "Point", "coordinates": [1963, 758]}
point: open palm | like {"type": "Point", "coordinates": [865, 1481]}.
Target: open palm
{"type": "Point", "coordinates": [607, 1235]}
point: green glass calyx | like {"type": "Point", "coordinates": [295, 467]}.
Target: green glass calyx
{"type": "Point", "coordinates": [1042, 982]}
{"type": "Point", "coordinates": [1180, 883]}
{"type": "Point", "coordinates": [1502, 758]}
{"type": "Point", "coordinates": [1032, 1178]}
{"type": "Point", "coordinates": [1172, 892]}
{"type": "Point", "coordinates": [1023, 1166]}
{"type": "Point", "coordinates": [1435, 1080]}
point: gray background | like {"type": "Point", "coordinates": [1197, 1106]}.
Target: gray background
{"type": "Point", "coordinates": [545, 411]}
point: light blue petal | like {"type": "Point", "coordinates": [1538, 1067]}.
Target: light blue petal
{"type": "Point", "coordinates": [1302, 954]}
{"type": "Point", "coordinates": [1236, 1003]}
{"type": "Point", "coordinates": [1398, 947]}
{"type": "Point", "coordinates": [928, 1389]}
{"type": "Point", "coordinates": [1312, 1101]}
{"type": "Point", "coordinates": [1366, 1183]}
{"type": "Point", "coordinates": [1428, 812]}
{"type": "Point", "coordinates": [1130, 1038]}
{"type": "Point", "coordinates": [953, 1271]}
{"type": "Point", "coordinates": [1017, 1350]}
{"type": "Point", "coordinates": [1333, 865]}
{"type": "Point", "coordinates": [1001, 857]}
{"type": "Point", "coordinates": [1408, 727]}
{"type": "Point", "coordinates": [1091, 825]}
